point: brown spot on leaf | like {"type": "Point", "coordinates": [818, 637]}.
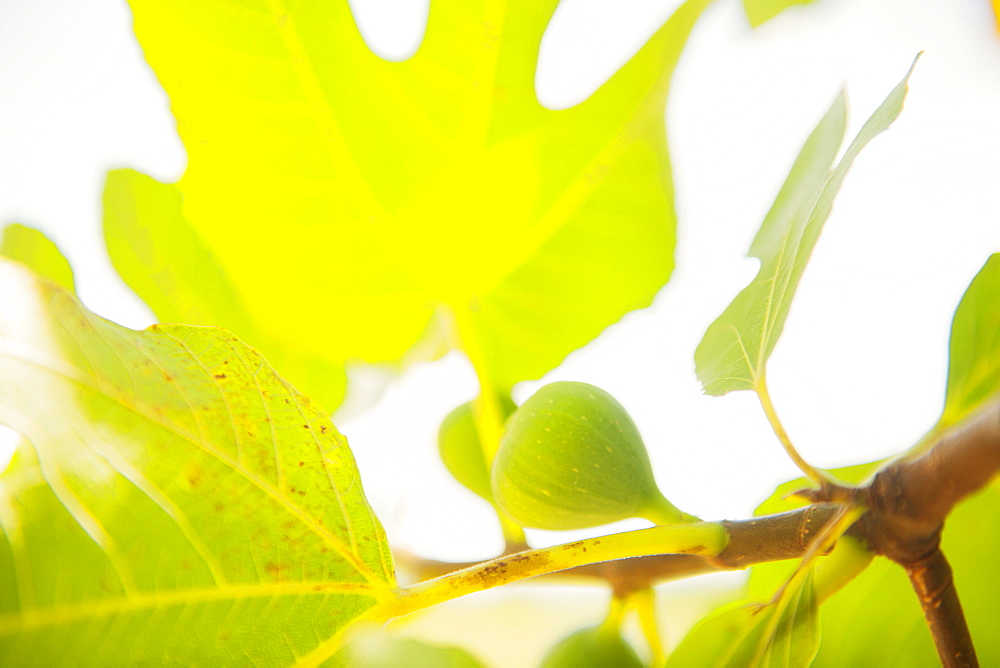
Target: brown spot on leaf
{"type": "Point", "coordinates": [192, 475]}
{"type": "Point", "coordinates": [220, 376]}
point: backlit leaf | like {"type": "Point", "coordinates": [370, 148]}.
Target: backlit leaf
{"type": "Point", "coordinates": [33, 248]}
{"type": "Point", "coordinates": [409, 199]}
{"type": "Point", "coordinates": [734, 351]}
{"type": "Point", "coordinates": [974, 349]}
{"type": "Point", "coordinates": [174, 500]}
{"type": "Point", "coordinates": [750, 635]}
{"type": "Point", "coordinates": [761, 11]}
{"type": "Point", "coordinates": [163, 258]}
{"type": "Point", "coordinates": [383, 650]}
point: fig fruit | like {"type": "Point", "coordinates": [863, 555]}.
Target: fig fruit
{"type": "Point", "coordinates": [461, 450]}
{"type": "Point", "coordinates": [571, 458]}
{"type": "Point", "coordinates": [592, 647]}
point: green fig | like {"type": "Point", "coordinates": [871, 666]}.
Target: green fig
{"type": "Point", "coordinates": [461, 450]}
{"type": "Point", "coordinates": [571, 458]}
{"type": "Point", "coordinates": [592, 647]}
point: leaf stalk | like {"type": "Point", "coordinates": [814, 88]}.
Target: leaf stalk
{"type": "Point", "coordinates": [814, 474]}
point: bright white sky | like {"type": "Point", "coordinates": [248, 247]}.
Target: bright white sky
{"type": "Point", "coordinates": [859, 373]}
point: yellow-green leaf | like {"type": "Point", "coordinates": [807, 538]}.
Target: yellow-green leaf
{"type": "Point", "coordinates": [761, 11]}
{"type": "Point", "coordinates": [735, 349]}
{"type": "Point", "coordinates": [174, 499]}
{"type": "Point", "coordinates": [33, 248]}
{"type": "Point", "coordinates": [785, 635]}
{"type": "Point", "coordinates": [335, 187]}
{"type": "Point", "coordinates": [974, 349]}
{"type": "Point", "coordinates": [164, 259]}
{"type": "Point", "coordinates": [384, 650]}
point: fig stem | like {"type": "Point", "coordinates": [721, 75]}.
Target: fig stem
{"type": "Point", "coordinates": [644, 603]}
{"type": "Point", "coordinates": [662, 512]}
{"type": "Point", "coordinates": [701, 538]}
{"type": "Point", "coordinates": [613, 621]}
{"type": "Point", "coordinates": [486, 410]}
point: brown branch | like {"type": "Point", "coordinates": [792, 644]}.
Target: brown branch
{"type": "Point", "coordinates": [911, 498]}
{"type": "Point", "coordinates": [909, 501]}
{"type": "Point", "coordinates": [761, 539]}
{"type": "Point", "coordinates": [935, 587]}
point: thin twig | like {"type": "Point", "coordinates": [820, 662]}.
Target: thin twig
{"type": "Point", "coordinates": [760, 539]}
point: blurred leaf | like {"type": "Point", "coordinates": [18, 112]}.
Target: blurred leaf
{"type": "Point", "coordinates": [162, 257]}
{"type": "Point", "coordinates": [749, 635]}
{"type": "Point", "coordinates": [792, 640]}
{"type": "Point", "coordinates": [382, 650]}
{"type": "Point", "coordinates": [174, 501]}
{"type": "Point", "coordinates": [734, 351]}
{"type": "Point", "coordinates": [974, 349]}
{"type": "Point", "coordinates": [711, 641]}
{"type": "Point", "coordinates": [762, 11]}
{"type": "Point", "coordinates": [33, 248]}
{"type": "Point", "coordinates": [333, 186]}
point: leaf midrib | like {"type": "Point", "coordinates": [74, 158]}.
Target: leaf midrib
{"type": "Point", "coordinates": [35, 618]}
